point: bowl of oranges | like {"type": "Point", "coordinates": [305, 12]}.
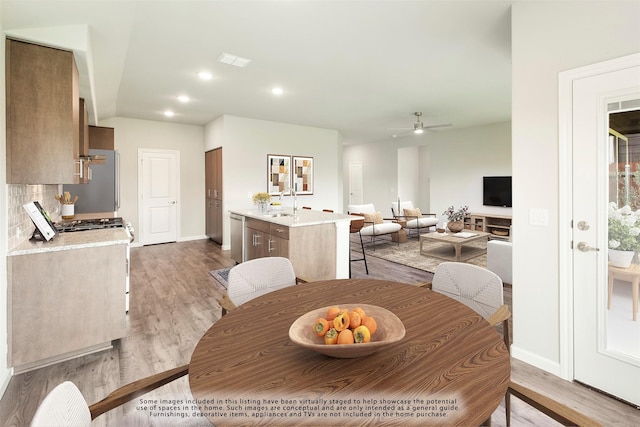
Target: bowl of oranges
{"type": "Point", "coordinates": [347, 330]}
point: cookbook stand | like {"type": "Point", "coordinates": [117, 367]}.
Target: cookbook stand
{"type": "Point", "coordinates": [37, 236]}
{"type": "Point", "coordinates": [45, 230]}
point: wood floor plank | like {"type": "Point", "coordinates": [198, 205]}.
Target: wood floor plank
{"type": "Point", "coordinates": [173, 302]}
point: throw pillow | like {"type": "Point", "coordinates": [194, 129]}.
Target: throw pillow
{"type": "Point", "coordinates": [375, 218]}
{"type": "Point", "coordinates": [415, 213]}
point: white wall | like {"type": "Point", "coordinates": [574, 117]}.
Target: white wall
{"type": "Point", "coordinates": [379, 174]}
{"type": "Point", "coordinates": [452, 164]}
{"type": "Point", "coordinates": [5, 372]}
{"type": "Point", "coordinates": [408, 170]}
{"type": "Point", "coordinates": [549, 37]}
{"type": "Point", "coordinates": [132, 134]}
{"type": "Point", "coordinates": [247, 142]}
{"type": "Point", "coordinates": [459, 160]}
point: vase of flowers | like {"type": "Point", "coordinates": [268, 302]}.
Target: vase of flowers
{"type": "Point", "coordinates": [624, 232]}
{"type": "Point", "coordinates": [262, 200]}
{"type": "Point", "coordinates": [456, 218]}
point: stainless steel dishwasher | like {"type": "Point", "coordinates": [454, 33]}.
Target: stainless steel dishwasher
{"type": "Point", "coordinates": [237, 237]}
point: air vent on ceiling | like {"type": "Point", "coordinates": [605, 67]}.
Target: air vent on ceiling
{"type": "Point", "coordinates": [227, 58]}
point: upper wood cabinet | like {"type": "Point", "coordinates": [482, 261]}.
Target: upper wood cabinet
{"type": "Point", "coordinates": [43, 115]}
{"type": "Point", "coordinates": [83, 146]}
{"type": "Point", "coordinates": [101, 138]}
{"type": "Point", "coordinates": [83, 143]}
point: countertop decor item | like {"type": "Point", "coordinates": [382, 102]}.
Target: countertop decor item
{"type": "Point", "coordinates": [262, 200]}
{"type": "Point", "coordinates": [389, 331]}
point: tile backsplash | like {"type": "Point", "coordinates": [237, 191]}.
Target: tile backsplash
{"type": "Point", "coordinates": [20, 226]}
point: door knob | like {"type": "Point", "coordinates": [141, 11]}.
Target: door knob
{"type": "Point", "coordinates": [584, 247]}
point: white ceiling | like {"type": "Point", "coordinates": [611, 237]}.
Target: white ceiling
{"type": "Point", "coordinates": [361, 67]}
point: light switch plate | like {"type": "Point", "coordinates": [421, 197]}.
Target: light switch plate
{"type": "Point", "coordinates": [538, 217]}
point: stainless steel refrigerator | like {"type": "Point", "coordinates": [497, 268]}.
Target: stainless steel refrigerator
{"type": "Point", "coordinates": [102, 192]}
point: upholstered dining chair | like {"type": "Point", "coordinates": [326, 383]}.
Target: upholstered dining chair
{"type": "Point", "coordinates": [416, 220]}
{"type": "Point", "coordinates": [482, 291]}
{"type": "Point", "coordinates": [65, 406]}
{"type": "Point", "coordinates": [256, 277]}
{"type": "Point", "coordinates": [374, 224]}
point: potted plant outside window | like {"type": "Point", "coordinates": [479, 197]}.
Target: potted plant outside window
{"type": "Point", "coordinates": [624, 232]}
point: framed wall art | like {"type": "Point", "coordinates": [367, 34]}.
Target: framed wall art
{"type": "Point", "coordinates": [302, 175]}
{"type": "Point", "coordinates": [278, 174]}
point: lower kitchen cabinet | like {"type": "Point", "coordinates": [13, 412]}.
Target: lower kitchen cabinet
{"type": "Point", "coordinates": [65, 303]}
{"type": "Point", "coordinates": [311, 249]}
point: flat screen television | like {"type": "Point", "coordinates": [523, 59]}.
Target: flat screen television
{"type": "Point", "coordinates": [496, 191]}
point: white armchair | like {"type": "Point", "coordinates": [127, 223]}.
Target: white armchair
{"type": "Point", "coordinates": [374, 224]}
{"type": "Point", "coordinates": [500, 258]}
{"type": "Point", "coordinates": [416, 220]}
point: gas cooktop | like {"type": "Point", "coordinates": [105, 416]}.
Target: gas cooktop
{"type": "Point", "coordinates": [88, 224]}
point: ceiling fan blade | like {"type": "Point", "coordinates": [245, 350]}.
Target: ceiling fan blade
{"type": "Point", "coordinates": [437, 126]}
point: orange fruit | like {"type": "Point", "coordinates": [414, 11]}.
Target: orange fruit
{"type": "Point", "coordinates": [370, 323]}
{"type": "Point", "coordinates": [361, 335]}
{"type": "Point", "coordinates": [332, 312]}
{"type": "Point", "coordinates": [341, 321]}
{"type": "Point", "coordinates": [331, 337]}
{"type": "Point", "coordinates": [354, 319]}
{"type": "Point", "coordinates": [360, 311]}
{"type": "Point", "coordinates": [345, 337]}
{"type": "Point", "coordinates": [320, 327]}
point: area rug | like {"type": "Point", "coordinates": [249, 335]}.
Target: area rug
{"type": "Point", "coordinates": [222, 276]}
{"type": "Point", "coordinates": [408, 253]}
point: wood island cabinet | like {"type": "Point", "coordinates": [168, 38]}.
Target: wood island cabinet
{"type": "Point", "coordinates": [265, 239]}
{"type": "Point", "coordinates": [43, 115]}
{"type": "Point", "coordinates": [311, 249]}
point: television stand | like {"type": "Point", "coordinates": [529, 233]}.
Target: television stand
{"type": "Point", "coordinates": [499, 226]}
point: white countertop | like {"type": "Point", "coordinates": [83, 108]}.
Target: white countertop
{"type": "Point", "coordinates": [73, 240]}
{"type": "Point", "coordinates": [303, 218]}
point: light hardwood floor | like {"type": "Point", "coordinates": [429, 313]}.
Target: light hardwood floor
{"type": "Point", "coordinates": [173, 302]}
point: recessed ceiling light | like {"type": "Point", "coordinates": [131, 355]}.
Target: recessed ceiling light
{"type": "Point", "coordinates": [183, 98]}
{"type": "Point", "coordinates": [277, 91]}
{"type": "Point", "coordinates": [205, 75]}
{"type": "Point", "coordinates": [227, 58]}
{"type": "Point", "coordinates": [169, 113]}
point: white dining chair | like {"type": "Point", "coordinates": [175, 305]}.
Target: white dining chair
{"type": "Point", "coordinates": [256, 277]}
{"type": "Point", "coordinates": [482, 291]}
{"type": "Point", "coordinates": [65, 405]}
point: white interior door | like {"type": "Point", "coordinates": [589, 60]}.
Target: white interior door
{"type": "Point", "coordinates": [606, 348]}
{"type": "Point", "coordinates": [355, 183]}
{"type": "Point", "coordinates": [159, 179]}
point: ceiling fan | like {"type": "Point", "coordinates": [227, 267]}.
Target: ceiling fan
{"type": "Point", "coordinates": [418, 127]}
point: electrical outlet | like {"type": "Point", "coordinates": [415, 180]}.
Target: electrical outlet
{"type": "Point", "coordinates": [250, 195]}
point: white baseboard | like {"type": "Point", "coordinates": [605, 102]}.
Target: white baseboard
{"type": "Point", "coordinates": [551, 366]}
{"type": "Point", "coordinates": [5, 377]}
{"type": "Point", "coordinates": [190, 238]}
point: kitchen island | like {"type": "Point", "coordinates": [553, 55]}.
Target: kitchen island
{"type": "Point", "coordinates": [67, 296]}
{"type": "Point", "coordinates": [316, 242]}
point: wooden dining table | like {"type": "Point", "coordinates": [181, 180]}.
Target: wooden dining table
{"type": "Point", "coordinates": [451, 367]}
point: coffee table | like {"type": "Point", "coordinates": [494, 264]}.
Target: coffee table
{"type": "Point", "coordinates": [457, 240]}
